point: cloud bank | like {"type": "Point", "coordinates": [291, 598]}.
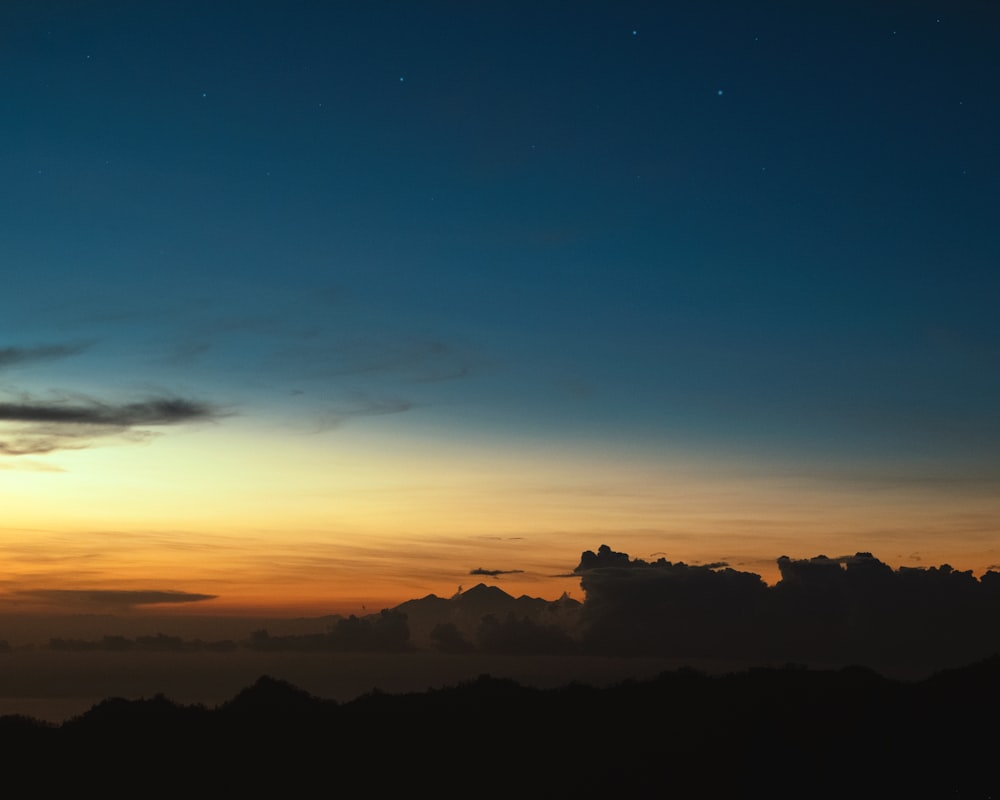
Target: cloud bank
{"type": "Point", "coordinates": [853, 609]}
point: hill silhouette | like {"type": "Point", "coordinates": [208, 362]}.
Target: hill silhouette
{"type": "Point", "coordinates": [796, 731]}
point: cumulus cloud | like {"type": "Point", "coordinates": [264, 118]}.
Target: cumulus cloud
{"type": "Point", "coordinates": [848, 608]}
{"type": "Point", "coordinates": [120, 599]}
{"type": "Point", "coordinates": [39, 426]}
{"type": "Point", "coordinates": [639, 607]}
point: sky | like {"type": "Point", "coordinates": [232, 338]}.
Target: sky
{"type": "Point", "coordinates": [311, 307]}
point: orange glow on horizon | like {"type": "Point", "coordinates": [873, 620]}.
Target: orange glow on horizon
{"type": "Point", "coordinates": [328, 525]}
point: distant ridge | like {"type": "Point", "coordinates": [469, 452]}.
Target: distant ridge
{"type": "Point", "coordinates": [848, 732]}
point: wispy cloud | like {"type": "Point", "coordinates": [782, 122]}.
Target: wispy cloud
{"type": "Point", "coordinates": [73, 421]}
{"type": "Point", "coordinates": [364, 405]}
{"type": "Point", "coordinates": [33, 425]}
{"type": "Point", "coordinates": [12, 356]}
{"type": "Point", "coordinates": [161, 411]}
{"type": "Point", "coordinates": [28, 465]}
{"type": "Point", "coordinates": [410, 360]}
{"type": "Point", "coordinates": [113, 598]}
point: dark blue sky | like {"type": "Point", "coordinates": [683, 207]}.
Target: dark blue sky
{"type": "Point", "coordinates": [764, 230]}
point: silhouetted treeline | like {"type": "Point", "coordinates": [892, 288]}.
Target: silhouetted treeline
{"type": "Point", "coordinates": [160, 643]}
{"type": "Point", "coordinates": [385, 632]}
{"type": "Point", "coordinates": [778, 732]}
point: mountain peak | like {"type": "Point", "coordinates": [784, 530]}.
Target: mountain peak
{"type": "Point", "coordinates": [483, 591]}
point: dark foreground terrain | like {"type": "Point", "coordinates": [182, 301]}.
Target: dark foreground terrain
{"type": "Point", "coordinates": [786, 732]}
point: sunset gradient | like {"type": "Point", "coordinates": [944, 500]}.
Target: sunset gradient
{"type": "Point", "coordinates": [314, 308]}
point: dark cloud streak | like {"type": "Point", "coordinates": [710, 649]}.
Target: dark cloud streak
{"type": "Point", "coordinates": [165, 411]}
{"type": "Point", "coordinates": [114, 598]}
{"type": "Point", "coordinates": [495, 573]}
{"type": "Point", "coordinates": [12, 356]}
{"type": "Point", "coordinates": [71, 423]}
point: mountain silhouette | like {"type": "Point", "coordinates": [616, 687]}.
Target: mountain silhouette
{"type": "Point", "coordinates": [489, 599]}
{"type": "Point", "coordinates": [466, 610]}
